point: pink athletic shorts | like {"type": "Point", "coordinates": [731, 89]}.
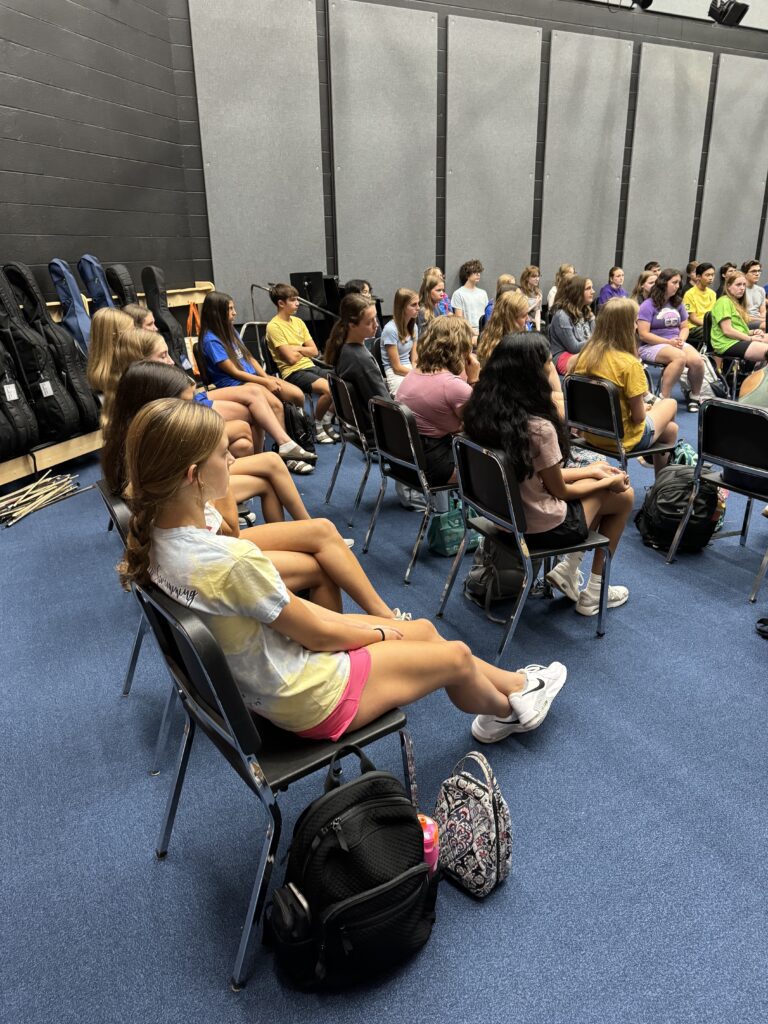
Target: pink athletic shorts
{"type": "Point", "coordinates": [337, 723]}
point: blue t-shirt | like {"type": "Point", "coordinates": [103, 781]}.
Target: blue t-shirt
{"type": "Point", "coordinates": [203, 399]}
{"type": "Point", "coordinates": [214, 353]}
{"type": "Point", "coordinates": [389, 337]}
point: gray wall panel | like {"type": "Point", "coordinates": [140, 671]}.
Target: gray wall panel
{"type": "Point", "coordinates": [738, 154]}
{"type": "Point", "coordinates": [586, 121]}
{"type": "Point", "coordinates": [384, 94]}
{"type": "Point", "coordinates": [666, 153]}
{"type": "Point", "coordinates": [260, 135]}
{"type": "Point", "coordinates": [491, 146]}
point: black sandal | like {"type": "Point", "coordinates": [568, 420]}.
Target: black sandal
{"type": "Point", "coordinates": [762, 628]}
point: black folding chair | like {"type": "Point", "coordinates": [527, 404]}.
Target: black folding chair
{"type": "Point", "coordinates": [486, 488]}
{"type": "Point", "coordinates": [349, 433]}
{"type": "Point", "coordinates": [593, 405]}
{"type": "Point", "coordinates": [733, 436]}
{"type": "Point", "coordinates": [401, 457]}
{"type": "Point", "coordinates": [266, 758]}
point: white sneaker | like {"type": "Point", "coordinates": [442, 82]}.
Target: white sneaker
{"type": "Point", "coordinates": [349, 541]}
{"type": "Point", "coordinates": [401, 616]}
{"type": "Point", "coordinates": [320, 435]}
{"type": "Point", "coordinates": [529, 707]}
{"type": "Point", "coordinates": [589, 604]}
{"type": "Point", "coordinates": [570, 583]}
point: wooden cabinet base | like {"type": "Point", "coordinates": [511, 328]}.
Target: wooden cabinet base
{"type": "Point", "coordinates": [51, 455]}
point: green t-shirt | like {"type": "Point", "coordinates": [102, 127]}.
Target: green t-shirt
{"type": "Point", "coordinates": [726, 309]}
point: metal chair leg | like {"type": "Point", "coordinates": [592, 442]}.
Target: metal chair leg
{"type": "Point", "coordinates": [409, 766]}
{"type": "Point", "coordinates": [142, 629]}
{"type": "Point", "coordinates": [745, 523]}
{"type": "Point", "coordinates": [374, 517]}
{"type": "Point", "coordinates": [452, 575]}
{"type": "Point", "coordinates": [514, 618]}
{"type": "Point", "coordinates": [360, 490]}
{"type": "Point", "coordinates": [605, 584]}
{"type": "Point", "coordinates": [759, 577]}
{"type": "Point", "coordinates": [683, 523]}
{"type": "Point", "coordinates": [336, 469]}
{"type": "Point", "coordinates": [162, 732]}
{"type": "Point", "coordinates": [428, 513]}
{"type": "Point", "coordinates": [178, 782]}
{"type": "Point", "coordinates": [258, 893]}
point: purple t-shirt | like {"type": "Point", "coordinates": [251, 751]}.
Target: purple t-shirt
{"type": "Point", "coordinates": [609, 292]}
{"type": "Point", "coordinates": [664, 322]}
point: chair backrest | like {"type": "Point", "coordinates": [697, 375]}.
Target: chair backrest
{"type": "Point", "coordinates": [202, 368]}
{"type": "Point", "coordinates": [593, 404]}
{"type": "Point", "coordinates": [376, 353]}
{"type": "Point", "coordinates": [732, 434]}
{"type": "Point", "coordinates": [118, 511]}
{"type": "Point", "coordinates": [201, 672]}
{"type": "Point", "coordinates": [397, 440]}
{"type": "Point", "coordinates": [345, 408]}
{"type": "Point", "coordinates": [485, 484]}
{"type": "Point", "coordinates": [706, 331]}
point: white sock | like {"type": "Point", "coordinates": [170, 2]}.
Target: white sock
{"type": "Point", "coordinates": [594, 584]}
{"type": "Point", "coordinates": [289, 447]}
{"type": "Point", "coordinates": [572, 562]}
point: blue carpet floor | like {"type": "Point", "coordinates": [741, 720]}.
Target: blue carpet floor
{"type": "Point", "coordinates": [639, 807]}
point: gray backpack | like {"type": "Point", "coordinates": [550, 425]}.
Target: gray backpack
{"type": "Point", "coordinates": [496, 575]}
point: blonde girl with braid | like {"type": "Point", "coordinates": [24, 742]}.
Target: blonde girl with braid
{"type": "Point", "coordinates": [308, 669]}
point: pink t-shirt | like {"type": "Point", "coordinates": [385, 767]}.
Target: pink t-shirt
{"type": "Point", "coordinates": [542, 510]}
{"type": "Point", "coordinates": [436, 401]}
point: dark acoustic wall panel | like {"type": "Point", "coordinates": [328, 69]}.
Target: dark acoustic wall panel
{"type": "Point", "coordinates": [384, 94]}
{"type": "Point", "coordinates": [258, 99]}
{"type": "Point", "coordinates": [90, 153]}
{"type": "Point", "coordinates": [666, 154]}
{"type": "Point", "coordinates": [734, 187]}
{"type": "Point", "coordinates": [491, 146]}
{"type": "Point", "coordinates": [586, 123]}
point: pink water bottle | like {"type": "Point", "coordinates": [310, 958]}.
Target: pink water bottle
{"type": "Point", "coordinates": [431, 842]}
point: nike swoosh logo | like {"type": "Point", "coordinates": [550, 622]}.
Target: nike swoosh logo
{"type": "Point", "coordinates": [533, 689]}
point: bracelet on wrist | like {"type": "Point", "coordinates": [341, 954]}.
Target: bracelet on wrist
{"type": "Point", "coordinates": [381, 631]}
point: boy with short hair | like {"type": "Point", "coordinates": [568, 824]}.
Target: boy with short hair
{"type": "Point", "coordinates": [292, 349]}
{"type": "Point", "coordinates": [470, 301]}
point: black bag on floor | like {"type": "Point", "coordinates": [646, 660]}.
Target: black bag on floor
{"type": "Point", "coordinates": [358, 897]}
{"type": "Point", "coordinates": [18, 426]}
{"type": "Point", "coordinates": [68, 359]}
{"type": "Point", "coordinates": [95, 280]}
{"type": "Point", "coordinates": [496, 574]}
{"type": "Point", "coordinates": [74, 315]}
{"type": "Point", "coordinates": [298, 427]}
{"type": "Point", "coordinates": [665, 504]}
{"type": "Point", "coordinates": [153, 282]}
{"type": "Point", "coordinates": [120, 281]}
{"type": "Point", "coordinates": [56, 413]}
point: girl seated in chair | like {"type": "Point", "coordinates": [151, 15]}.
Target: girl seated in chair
{"type": "Point", "coordinates": [308, 669]}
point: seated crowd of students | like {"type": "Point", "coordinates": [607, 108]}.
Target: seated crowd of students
{"type": "Point", "coordinates": [185, 457]}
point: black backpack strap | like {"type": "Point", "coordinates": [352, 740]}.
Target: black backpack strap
{"type": "Point", "coordinates": [333, 779]}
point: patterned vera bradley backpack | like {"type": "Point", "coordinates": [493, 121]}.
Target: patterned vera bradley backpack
{"type": "Point", "coordinates": [475, 828]}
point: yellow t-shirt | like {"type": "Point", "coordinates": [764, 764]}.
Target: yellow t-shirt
{"type": "Point", "coordinates": [291, 332]}
{"type": "Point", "coordinates": [627, 373]}
{"type": "Point", "coordinates": [699, 302]}
{"type": "Point", "coordinates": [237, 591]}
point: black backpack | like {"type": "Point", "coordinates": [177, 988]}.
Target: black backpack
{"type": "Point", "coordinates": [664, 507]}
{"type": "Point", "coordinates": [56, 413]}
{"type": "Point", "coordinates": [18, 426]}
{"type": "Point", "coordinates": [298, 427]}
{"type": "Point", "coordinates": [68, 359]}
{"type": "Point", "coordinates": [153, 282]}
{"type": "Point", "coordinates": [358, 897]}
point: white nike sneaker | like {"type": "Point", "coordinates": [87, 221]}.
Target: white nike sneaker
{"type": "Point", "coordinates": [589, 604]}
{"type": "Point", "coordinates": [529, 707]}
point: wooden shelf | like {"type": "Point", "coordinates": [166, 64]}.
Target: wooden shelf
{"type": "Point", "coordinates": [176, 297]}
{"type": "Point", "coordinates": [51, 455]}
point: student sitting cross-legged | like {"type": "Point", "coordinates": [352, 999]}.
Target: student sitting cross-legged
{"type": "Point", "coordinates": [308, 669]}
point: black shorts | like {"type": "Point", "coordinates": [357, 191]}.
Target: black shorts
{"type": "Point", "coordinates": [304, 379]}
{"type": "Point", "coordinates": [735, 351]}
{"type": "Point", "coordinates": [572, 530]}
{"type": "Point", "coordinates": [438, 453]}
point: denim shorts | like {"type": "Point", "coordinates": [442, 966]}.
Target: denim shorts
{"type": "Point", "coordinates": [647, 439]}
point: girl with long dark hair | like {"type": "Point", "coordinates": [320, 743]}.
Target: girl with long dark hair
{"type": "Point", "coordinates": [511, 408]}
